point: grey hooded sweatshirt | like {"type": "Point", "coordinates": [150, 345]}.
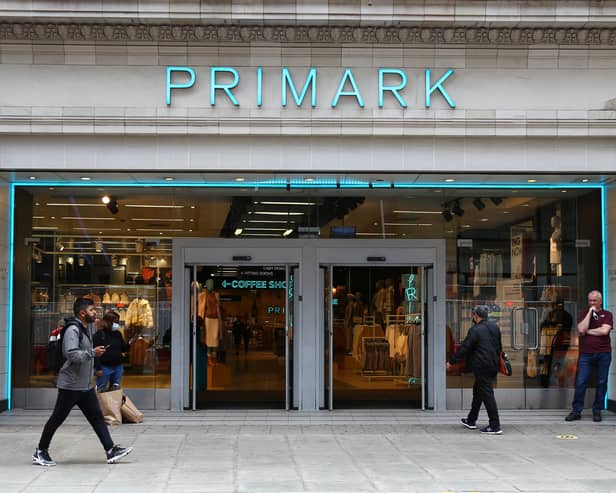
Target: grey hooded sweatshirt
{"type": "Point", "coordinates": [77, 372]}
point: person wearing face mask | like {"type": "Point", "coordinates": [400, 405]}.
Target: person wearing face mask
{"type": "Point", "coordinates": [108, 367]}
{"type": "Point", "coordinates": [75, 386]}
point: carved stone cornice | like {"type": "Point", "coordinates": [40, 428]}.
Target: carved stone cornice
{"type": "Point", "coordinates": [229, 34]}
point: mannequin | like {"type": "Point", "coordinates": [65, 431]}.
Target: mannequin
{"type": "Point", "coordinates": [209, 310]}
{"type": "Point", "coordinates": [348, 322]}
{"type": "Point", "coordinates": [556, 243]}
{"type": "Point", "coordinates": [378, 302]}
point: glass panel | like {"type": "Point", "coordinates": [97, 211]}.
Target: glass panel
{"type": "Point", "coordinates": [377, 340]}
{"type": "Point", "coordinates": [241, 335]}
{"type": "Point", "coordinates": [135, 287]}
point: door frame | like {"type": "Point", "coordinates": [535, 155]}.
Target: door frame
{"type": "Point", "coordinates": [428, 255]}
{"type": "Point", "coordinates": [308, 254]}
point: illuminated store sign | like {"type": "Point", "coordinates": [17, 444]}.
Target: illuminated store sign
{"type": "Point", "coordinates": [180, 78]}
{"type": "Point", "coordinates": [252, 284]}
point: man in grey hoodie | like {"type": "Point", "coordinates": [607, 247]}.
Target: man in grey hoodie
{"type": "Point", "coordinates": [75, 386]}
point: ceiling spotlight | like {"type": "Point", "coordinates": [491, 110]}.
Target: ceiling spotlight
{"type": "Point", "coordinates": [98, 246]}
{"type": "Point", "coordinates": [111, 203]}
{"type": "Point", "coordinates": [238, 231]}
{"type": "Point", "coordinates": [478, 203]}
{"type": "Point", "coordinates": [496, 200]}
{"type": "Point", "coordinates": [447, 215]}
{"type": "Point", "coordinates": [457, 210]}
{"type": "Point", "coordinates": [60, 247]}
{"type": "Point", "coordinates": [287, 232]}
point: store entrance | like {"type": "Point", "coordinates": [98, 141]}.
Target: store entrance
{"type": "Point", "coordinates": [375, 321]}
{"type": "Point", "coordinates": [242, 330]}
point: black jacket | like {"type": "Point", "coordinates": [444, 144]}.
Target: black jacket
{"type": "Point", "coordinates": [117, 346]}
{"type": "Point", "coordinates": [481, 348]}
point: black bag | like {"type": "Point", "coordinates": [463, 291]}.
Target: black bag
{"type": "Point", "coordinates": [55, 356]}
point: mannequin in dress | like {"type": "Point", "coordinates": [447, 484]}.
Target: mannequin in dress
{"type": "Point", "coordinates": [209, 311]}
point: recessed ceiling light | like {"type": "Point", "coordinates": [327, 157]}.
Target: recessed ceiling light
{"type": "Point", "coordinates": [585, 180]}
{"type": "Point", "coordinates": [449, 180]}
{"type": "Point", "coordinates": [240, 179]}
{"type": "Point", "coordinates": [168, 178]}
{"type": "Point", "coordinates": [524, 205]}
{"type": "Point", "coordinates": [563, 191]}
{"type": "Point", "coordinates": [505, 212]}
{"type": "Point", "coordinates": [531, 180]}
{"type": "Point", "coordinates": [484, 219]}
{"type": "Point", "coordinates": [85, 178]}
{"type": "Point", "coordinates": [53, 217]}
{"type": "Point", "coordinates": [192, 206]}
{"type": "Point", "coordinates": [31, 177]}
{"type": "Point", "coordinates": [37, 203]}
{"type": "Point", "coordinates": [466, 226]}
{"type": "Point", "coordinates": [309, 179]}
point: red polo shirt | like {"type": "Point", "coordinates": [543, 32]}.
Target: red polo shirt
{"type": "Point", "coordinates": [596, 344]}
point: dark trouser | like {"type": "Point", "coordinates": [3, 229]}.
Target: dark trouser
{"type": "Point", "coordinates": [586, 363]}
{"type": "Point", "coordinates": [88, 403]}
{"type": "Point", "coordinates": [483, 392]}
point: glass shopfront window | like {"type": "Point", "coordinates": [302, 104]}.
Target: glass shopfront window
{"type": "Point", "coordinates": [530, 254]}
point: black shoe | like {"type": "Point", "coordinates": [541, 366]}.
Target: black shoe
{"type": "Point", "coordinates": [468, 424]}
{"type": "Point", "coordinates": [116, 453]}
{"type": "Point", "coordinates": [42, 458]}
{"type": "Point", "coordinates": [573, 416]}
{"type": "Point", "coordinates": [597, 417]}
{"type": "Point", "coordinates": [488, 430]}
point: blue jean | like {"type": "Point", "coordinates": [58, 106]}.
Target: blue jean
{"type": "Point", "coordinates": [586, 363]}
{"type": "Point", "coordinates": [111, 375]}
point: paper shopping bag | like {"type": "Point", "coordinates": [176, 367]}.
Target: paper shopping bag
{"type": "Point", "coordinates": [110, 403]}
{"type": "Point", "coordinates": [130, 413]}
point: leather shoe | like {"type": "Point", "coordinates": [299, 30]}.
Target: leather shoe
{"type": "Point", "coordinates": [597, 418]}
{"type": "Point", "coordinates": [573, 416]}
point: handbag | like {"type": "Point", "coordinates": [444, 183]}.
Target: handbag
{"type": "Point", "coordinates": [130, 412]}
{"type": "Point", "coordinates": [110, 403]}
{"type": "Point", "coordinates": [505, 364]}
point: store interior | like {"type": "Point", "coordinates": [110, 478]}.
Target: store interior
{"type": "Point", "coordinates": [118, 251]}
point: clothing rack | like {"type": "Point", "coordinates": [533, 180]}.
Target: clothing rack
{"type": "Point", "coordinates": [375, 356]}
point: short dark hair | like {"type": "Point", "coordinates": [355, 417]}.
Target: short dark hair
{"type": "Point", "coordinates": [81, 304]}
{"type": "Point", "coordinates": [481, 311]}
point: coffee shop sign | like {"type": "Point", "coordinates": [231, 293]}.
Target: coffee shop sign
{"type": "Point", "coordinates": [391, 83]}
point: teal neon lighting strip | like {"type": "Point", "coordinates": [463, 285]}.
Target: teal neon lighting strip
{"type": "Point", "coordinates": [317, 183]}
{"type": "Point", "coordinates": [9, 310]}
{"type": "Point", "coordinates": [278, 183]}
{"type": "Point", "coordinates": [353, 183]}
{"type": "Point", "coordinates": [605, 271]}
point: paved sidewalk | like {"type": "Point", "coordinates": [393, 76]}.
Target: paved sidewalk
{"type": "Point", "coordinates": [343, 451]}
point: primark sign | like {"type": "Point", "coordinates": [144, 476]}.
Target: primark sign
{"type": "Point", "coordinates": [296, 88]}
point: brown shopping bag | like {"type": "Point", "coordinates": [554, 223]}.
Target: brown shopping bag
{"type": "Point", "coordinates": [130, 413]}
{"type": "Point", "coordinates": [110, 403]}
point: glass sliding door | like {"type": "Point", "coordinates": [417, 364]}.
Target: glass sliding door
{"type": "Point", "coordinates": [374, 329]}
{"type": "Point", "coordinates": [242, 328]}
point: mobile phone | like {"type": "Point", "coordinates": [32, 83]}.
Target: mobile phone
{"type": "Point", "coordinates": [107, 346]}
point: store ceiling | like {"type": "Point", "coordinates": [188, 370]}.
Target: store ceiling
{"type": "Point", "coordinates": [74, 213]}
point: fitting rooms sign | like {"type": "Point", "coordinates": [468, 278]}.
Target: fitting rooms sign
{"type": "Point", "coordinates": [300, 88]}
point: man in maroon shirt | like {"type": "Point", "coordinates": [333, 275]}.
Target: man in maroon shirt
{"type": "Point", "coordinates": [594, 327]}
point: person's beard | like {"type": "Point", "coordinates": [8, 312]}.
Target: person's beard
{"type": "Point", "coordinates": [90, 319]}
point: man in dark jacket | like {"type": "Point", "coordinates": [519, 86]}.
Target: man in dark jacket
{"type": "Point", "coordinates": [481, 348]}
{"type": "Point", "coordinates": [75, 386]}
